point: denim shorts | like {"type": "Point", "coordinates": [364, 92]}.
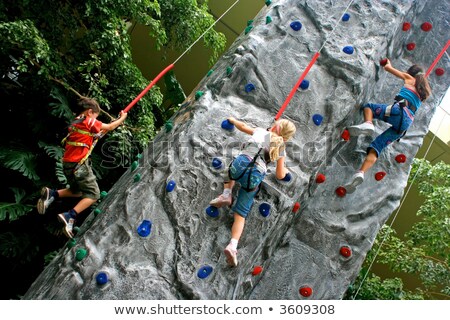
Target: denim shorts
{"type": "Point", "coordinates": [82, 180]}
{"type": "Point", "coordinates": [399, 125]}
{"type": "Point", "coordinates": [245, 199]}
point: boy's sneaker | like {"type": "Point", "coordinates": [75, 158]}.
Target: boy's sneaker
{"type": "Point", "coordinates": [231, 255]}
{"type": "Point", "coordinates": [357, 179]}
{"type": "Point", "coordinates": [44, 201]}
{"type": "Point", "coordinates": [365, 128]}
{"type": "Point", "coordinates": [68, 222]}
{"type": "Point", "coordinates": [221, 201]}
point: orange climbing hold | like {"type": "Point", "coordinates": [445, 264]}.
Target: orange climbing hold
{"type": "Point", "coordinates": [257, 270]}
{"type": "Point", "coordinates": [411, 46]}
{"type": "Point", "coordinates": [406, 26]}
{"type": "Point", "coordinates": [305, 291]}
{"type": "Point", "coordinates": [345, 251]}
{"type": "Point", "coordinates": [426, 26]}
{"type": "Point", "coordinates": [296, 207]}
{"type": "Point", "coordinates": [401, 158]}
{"type": "Point", "coordinates": [345, 135]}
{"type": "Point", "coordinates": [320, 178]}
{"type": "Point", "coordinates": [341, 192]}
{"type": "Point", "coordinates": [380, 175]}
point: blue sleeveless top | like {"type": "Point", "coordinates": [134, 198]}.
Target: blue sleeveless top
{"type": "Point", "coordinates": [411, 96]}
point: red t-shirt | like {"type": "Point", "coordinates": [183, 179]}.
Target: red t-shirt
{"type": "Point", "coordinates": [76, 153]}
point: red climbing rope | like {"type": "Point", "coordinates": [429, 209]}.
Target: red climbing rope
{"type": "Point", "coordinates": [437, 58]}
{"type": "Point", "coordinates": [154, 81]}
{"type": "Point", "coordinates": [294, 89]}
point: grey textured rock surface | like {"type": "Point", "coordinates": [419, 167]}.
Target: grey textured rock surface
{"type": "Point", "coordinates": [296, 250]}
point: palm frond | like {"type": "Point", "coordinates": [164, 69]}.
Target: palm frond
{"type": "Point", "coordinates": [20, 160]}
{"type": "Point", "coordinates": [60, 108]}
{"type": "Point", "coordinates": [14, 210]}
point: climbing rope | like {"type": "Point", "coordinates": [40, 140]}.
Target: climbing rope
{"type": "Point", "coordinates": [169, 67]}
{"type": "Point", "coordinates": [311, 63]}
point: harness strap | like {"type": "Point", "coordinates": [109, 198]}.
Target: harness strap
{"type": "Point", "coordinates": [250, 166]}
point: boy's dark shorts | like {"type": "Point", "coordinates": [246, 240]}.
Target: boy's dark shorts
{"type": "Point", "coordinates": [83, 180]}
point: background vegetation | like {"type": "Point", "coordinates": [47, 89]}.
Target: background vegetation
{"type": "Point", "coordinates": [51, 53]}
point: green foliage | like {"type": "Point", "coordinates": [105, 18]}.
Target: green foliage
{"type": "Point", "coordinates": [49, 257]}
{"type": "Point", "coordinates": [60, 106]}
{"type": "Point", "coordinates": [19, 159]}
{"type": "Point", "coordinates": [18, 247]}
{"type": "Point", "coordinates": [424, 252]}
{"type": "Point", "coordinates": [14, 210]}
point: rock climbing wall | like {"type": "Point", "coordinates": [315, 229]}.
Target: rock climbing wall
{"type": "Point", "coordinates": [154, 236]}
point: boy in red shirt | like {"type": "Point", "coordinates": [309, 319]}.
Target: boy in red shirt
{"type": "Point", "coordinates": [78, 146]}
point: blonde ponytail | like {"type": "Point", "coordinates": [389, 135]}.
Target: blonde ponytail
{"type": "Point", "coordinates": [282, 131]}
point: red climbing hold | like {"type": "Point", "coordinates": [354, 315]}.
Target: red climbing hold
{"type": "Point", "coordinates": [296, 207]}
{"type": "Point", "coordinates": [345, 135]}
{"type": "Point", "coordinates": [411, 46]}
{"type": "Point", "coordinates": [406, 26]}
{"type": "Point", "coordinates": [426, 26]}
{"type": "Point", "coordinates": [401, 158]}
{"type": "Point", "coordinates": [305, 291]}
{"type": "Point", "coordinates": [380, 175]}
{"type": "Point", "coordinates": [345, 251]}
{"type": "Point", "coordinates": [320, 178]}
{"type": "Point", "coordinates": [439, 72]}
{"type": "Point", "coordinates": [341, 192]}
{"type": "Point", "coordinates": [257, 270]}
{"type": "Point", "coordinates": [383, 62]}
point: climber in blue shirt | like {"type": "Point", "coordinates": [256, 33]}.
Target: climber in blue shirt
{"type": "Point", "coordinates": [399, 115]}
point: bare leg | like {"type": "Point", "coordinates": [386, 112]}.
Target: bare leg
{"type": "Point", "coordinates": [368, 115]}
{"type": "Point", "coordinates": [229, 185]}
{"type": "Point", "coordinates": [238, 227]}
{"type": "Point", "coordinates": [84, 204]}
{"type": "Point", "coordinates": [67, 193]}
{"type": "Point", "coordinates": [370, 160]}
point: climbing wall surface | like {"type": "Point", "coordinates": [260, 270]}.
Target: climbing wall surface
{"type": "Point", "coordinates": [154, 236]}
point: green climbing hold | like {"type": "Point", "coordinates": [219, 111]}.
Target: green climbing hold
{"type": "Point", "coordinates": [268, 19]}
{"type": "Point", "coordinates": [139, 156]}
{"type": "Point", "coordinates": [209, 72]}
{"type": "Point", "coordinates": [103, 194]}
{"type": "Point", "coordinates": [198, 95]}
{"type": "Point", "coordinates": [97, 212]}
{"type": "Point", "coordinates": [249, 22]}
{"type": "Point", "coordinates": [248, 29]}
{"type": "Point", "coordinates": [229, 70]}
{"type": "Point", "coordinates": [76, 230]}
{"type": "Point", "coordinates": [80, 254]}
{"type": "Point", "coordinates": [168, 125]}
{"type": "Point", "coordinates": [268, 2]}
{"type": "Point", "coordinates": [137, 177]}
{"type": "Point", "coordinates": [134, 165]}
{"type": "Point", "coordinates": [71, 243]}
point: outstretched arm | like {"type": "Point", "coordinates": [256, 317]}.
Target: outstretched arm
{"type": "Point", "coordinates": [241, 126]}
{"type": "Point", "coordinates": [116, 123]}
{"type": "Point", "coordinates": [409, 79]}
{"type": "Point", "coordinates": [281, 170]}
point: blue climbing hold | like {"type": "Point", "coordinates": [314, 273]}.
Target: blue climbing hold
{"type": "Point", "coordinates": [217, 163]}
{"type": "Point", "coordinates": [144, 228]}
{"type": "Point", "coordinates": [264, 209]}
{"type": "Point", "coordinates": [212, 211]}
{"type": "Point", "coordinates": [317, 118]}
{"type": "Point", "coordinates": [101, 278]}
{"type": "Point", "coordinates": [287, 177]}
{"type": "Point", "coordinates": [304, 85]}
{"type": "Point", "coordinates": [249, 87]}
{"type": "Point", "coordinates": [227, 125]}
{"type": "Point", "coordinates": [204, 271]}
{"type": "Point", "coordinates": [348, 50]}
{"type": "Point", "coordinates": [170, 186]}
{"type": "Point", "coordinates": [296, 25]}
{"type": "Point", "coordinates": [346, 17]}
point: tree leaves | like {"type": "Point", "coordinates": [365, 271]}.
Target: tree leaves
{"type": "Point", "coordinates": [15, 210]}
{"type": "Point", "coordinates": [20, 160]}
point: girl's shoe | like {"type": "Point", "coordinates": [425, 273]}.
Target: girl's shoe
{"type": "Point", "coordinates": [221, 201]}
{"type": "Point", "coordinates": [357, 179]}
{"type": "Point", "coordinates": [365, 128]}
{"type": "Point", "coordinates": [231, 255]}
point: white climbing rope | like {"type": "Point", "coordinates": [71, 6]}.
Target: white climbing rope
{"type": "Point", "coordinates": [398, 210]}
{"type": "Point", "coordinates": [335, 25]}
{"type": "Point", "coordinates": [206, 31]}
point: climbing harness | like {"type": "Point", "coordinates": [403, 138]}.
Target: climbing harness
{"type": "Point", "coordinates": [251, 165]}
